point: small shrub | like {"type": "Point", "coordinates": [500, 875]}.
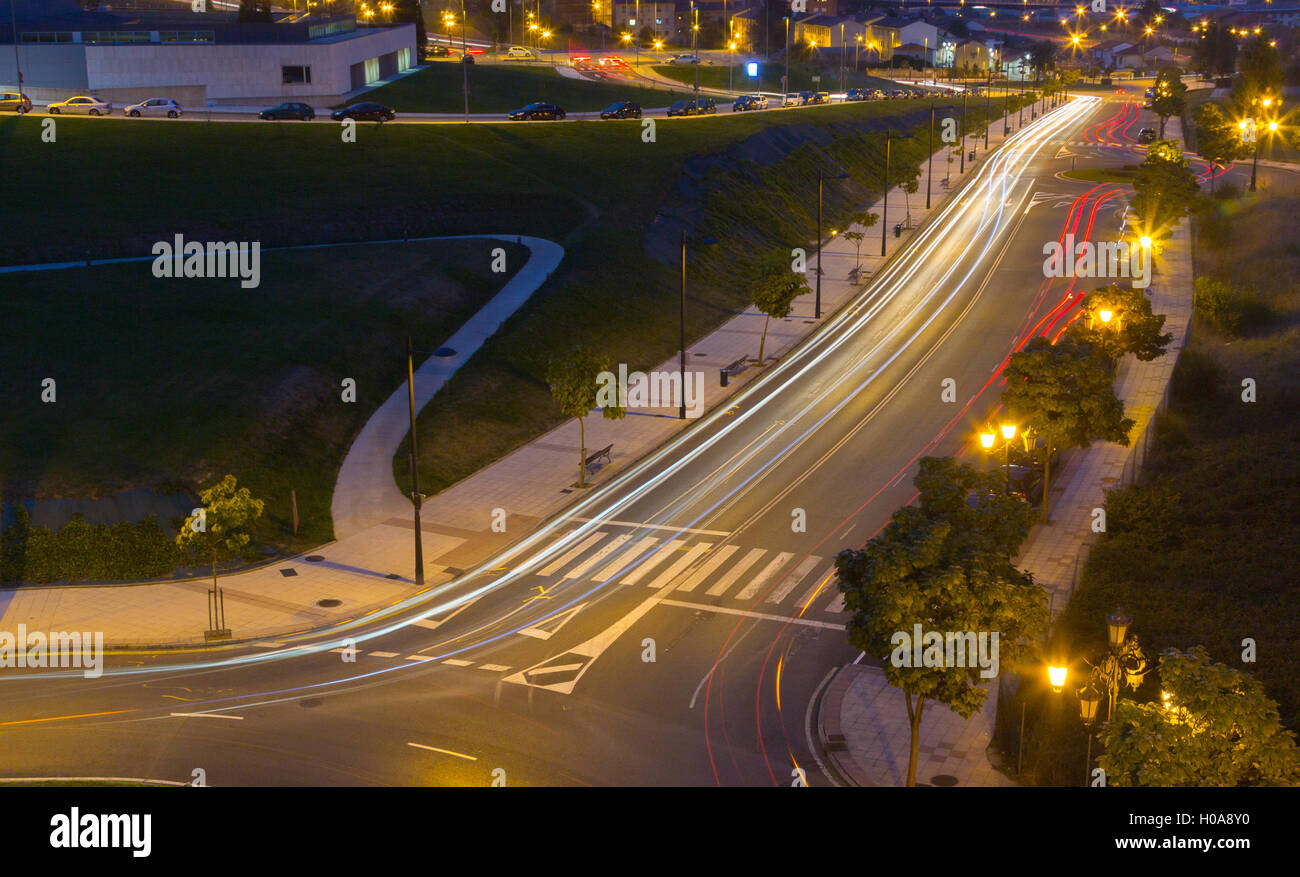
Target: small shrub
{"type": "Point", "coordinates": [1233, 312]}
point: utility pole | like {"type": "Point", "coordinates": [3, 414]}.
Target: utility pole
{"type": "Point", "coordinates": [695, 52]}
{"type": "Point", "coordinates": [929, 172]}
{"type": "Point", "coordinates": [681, 413]}
{"type": "Point", "coordinates": [817, 310]}
{"type": "Point", "coordinates": [464, 68]}
{"type": "Point", "coordinates": [416, 498]}
{"type": "Point", "coordinates": [963, 129]}
{"type": "Point", "coordinates": [13, 21]}
{"type": "Point", "coordinates": [884, 210]}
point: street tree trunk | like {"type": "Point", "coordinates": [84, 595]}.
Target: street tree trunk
{"type": "Point", "coordinates": [1047, 478]}
{"type": "Point", "coordinates": [763, 340]}
{"type": "Point", "coordinates": [582, 454]}
{"type": "Point", "coordinates": [914, 717]}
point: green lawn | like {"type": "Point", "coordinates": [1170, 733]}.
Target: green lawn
{"type": "Point", "coordinates": [596, 188]}
{"type": "Point", "coordinates": [769, 78]}
{"type": "Point", "coordinates": [182, 380]}
{"type": "Point", "coordinates": [1122, 175]}
{"type": "Point", "coordinates": [499, 88]}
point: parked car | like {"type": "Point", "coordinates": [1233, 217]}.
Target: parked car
{"type": "Point", "coordinates": [624, 109]}
{"type": "Point", "coordinates": [91, 106]}
{"type": "Point", "coordinates": [537, 111]}
{"type": "Point", "coordinates": [793, 99]}
{"type": "Point", "coordinates": [820, 97]}
{"type": "Point", "coordinates": [857, 94]}
{"type": "Point", "coordinates": [440, 52]}
{"type": "Point", "coordinates": [684, 59]}
{"type": "Point", "coordinates": [365, 112]}
{"type": "Point", "coordinates": [289, 110]}
{"type": "Point", "coordinates": [695, 107]}
{"type": "Point", "coordinates": [155, 106]}
{"type": "Point", "coordinates": [1146, 135]}
{"type": "Point", "coordinates": [467, 59]}
{"type": "Point", "coordinates": [521, 53]}
{"type": "Point", "coordinates": [13, 102]}
{"type": "Point", "coordinates": [749, 102]}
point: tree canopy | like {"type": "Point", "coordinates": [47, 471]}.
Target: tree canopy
{"type": "Point", "coordinates": [1133, 328]}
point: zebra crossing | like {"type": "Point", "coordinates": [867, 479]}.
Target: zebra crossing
{"type": "Point", "coordinates": [686, 564]}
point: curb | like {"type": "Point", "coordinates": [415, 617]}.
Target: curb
{"type": "Point", "coordinates": [830, 738]}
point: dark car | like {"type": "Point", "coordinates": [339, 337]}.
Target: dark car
{"type": "Point", "coordinates": [12, 100]}
{"type": "Point", "coordinates": [698, 107]}
{"type": "Point", "coordinates": [440, 52]}
{"type": "Point", "coordinates": [290, 110]}
{"type": "Point", "coordinates": [858, 94]}
{"type": "Point", "coordinates": [1146, 135]}
{"type": "Point", "coordinates": [749, 102]}
{"type": "Point", "coordinates": [624, 109]}
{"type": "Point", "coordinates": [467, 59]}
{"type": "Point", "coordinates": [365, 112]}
{"type": "Point", "coordinates": [536, 111]}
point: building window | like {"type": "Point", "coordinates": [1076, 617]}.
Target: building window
{"type": "Point", "coordinates": [372, 70]}
{"type": "Point", "coordinates": [296, 75]}
{"type": "Point", "coordinates": [404, 59]}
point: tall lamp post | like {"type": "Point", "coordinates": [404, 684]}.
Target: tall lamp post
{"type": "Point", "coordinates": [817, 312]}
{"type": "Point", "coordinates": [416, 496]}
{"type": "Point", "coordinates": [464, 66]}
{"type": "Point", "coordinates": [929, 171]}
{"type": "Point", "coordinates": [18, 68]}
{"type": "Point", "coordinates": [963, 130]}
{"type": "Point", "coordinates": [681, 413]}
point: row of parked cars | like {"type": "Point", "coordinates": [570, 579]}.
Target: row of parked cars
{"type": "Point", "coordinates": [92, 106]}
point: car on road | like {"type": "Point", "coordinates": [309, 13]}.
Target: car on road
{"type": "Point", "coordinates": [858, 94]}
{"type": "Point", "coordinates": [624, 109]}
{"type": "Point", "coordinates": [537, 111]}
{"type": "Point", "coordinates": [289, 110]}
{"type": "Point", "coordinates": [684, 59]}
{"type": "Point", "coordinates": [440, 52]}
{"type": "Point", "coordinates": [749, 102]}
{"type": "Point", "coordinates": [820, 97]}
{"type": "Point", "coordinates": [702, 106]}
{"type": "Point", "coordinates": [365, 112]}
{"type": "Point", "coordinates": [155, 106]}
{"type": "Point", "coordinates": [1147, 135]}
{"type": "Point", "coordinates": [13, 102]}
{"type": "Point", "coordinates": [91, 106]}
{"type": "Point", "coordinates": [794, 99]}
{"type": "Point", "coordinates": [467, 59]}
{"type": "Point", "coordinates": [521, 53]}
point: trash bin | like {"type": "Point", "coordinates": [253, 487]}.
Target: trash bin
{"type": "Point", "coordinates": [898, 230]}
{"type": "Point", "coordinates": [722, 376]}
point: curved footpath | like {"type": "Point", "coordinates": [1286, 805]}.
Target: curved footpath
{"type": "Point", "coordinates": [370, 566]}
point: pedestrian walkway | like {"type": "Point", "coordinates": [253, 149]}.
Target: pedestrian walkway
{"type": "Point", "coordinates": [369, 568]}
{"type": "Point", "coordinates": [862, 721]}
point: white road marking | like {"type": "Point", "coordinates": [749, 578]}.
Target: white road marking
{"type": "Point", "coordinates": [736, 572]}
{"type": "Point", "coordinates": [727, 610]}
{"type": "Point", "coordinates": [565, 558]}
{"type": "Point", "coordinates": [664, 553]}
{"type": "Point", "coordinates": [458, 662]}
{"type": "Point", "coordinates": [444, 751]}
{"type": "Point", "coordinates": [818, 585]}
{"type": "Point", "coordinates": [682, 563]}
{"type": "Point", "coordinates": [710, 566]}
{"type": "Point", "coordinates": [558, 668]}
{"type": "Point", "coordinates": [432, 624]}
{"type": "Point", "coordinates": [427, 623]}
{"type": "Point", "coordinates": [621, 561]}
{"type": "Point", "coordinates": [768, 571]}
{"type": "Point", "coordinates": [605, 551]}
{"type": "Point", "coordinates": [789, 583]}
{"type": "Point", "coordinates": [419, 658]}
{"type": "Point", "coordinates": [837, 605]}
{"type": "Point", "coordinates": [602, 522]}
{"type": "Point", "coordinates": [382, 654]}
{"type": "Point", "coordinates": [546, 628]}
{"type": "Point", "coordinates": [494, 668]}
{"type": "Point", "coordinates": [208, 716]}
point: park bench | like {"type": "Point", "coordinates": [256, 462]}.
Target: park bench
{"type": "Point", "coordinates": [603, 453]}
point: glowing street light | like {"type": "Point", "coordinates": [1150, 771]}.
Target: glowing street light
{"type": "Point", "coordinates": [1056, 676]}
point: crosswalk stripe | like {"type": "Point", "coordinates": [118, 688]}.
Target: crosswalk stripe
{"type": "Point", "coordinates": [759, 580]}
{"type": "Point", "coordinates": [605, 550]}
{"type": "Point", "coordinates": [383, 654]}
{"type": "Point", "coordinates": [820, 584]}
{"type": "Point", "coordinates": [493, 668]}
{"type": "Point", "coordinates": [652, 561]}
{"type": "Point", "coordinates": [554, 566]}
{"type": "Point", "coordinates": [721, 585]}
{"type": "Point", "coordinates": [794, 578]}
{"type": "Point", "coordinates": [837, 605]}
{"type": "Point", "coordinates": [683, 562]}
{"type": "Point", "coordinates": [621, 560]}
{"type": "Point", "coordinates": [716, 559]}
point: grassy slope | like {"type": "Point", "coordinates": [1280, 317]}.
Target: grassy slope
{"type": "Point", "coordinates": [769, 79]}
{"type": "Point", "coordinates": [497, 88]}
{"type": "Point", "coordinates": [167, 380]}
{"type": "Point", "coordinates": [1227, 568]}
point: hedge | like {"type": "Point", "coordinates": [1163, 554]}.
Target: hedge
{"type": "Point", "coordinates": [80, 551]}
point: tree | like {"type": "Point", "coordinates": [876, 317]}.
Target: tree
{"type": "Point", "coordinates": [1132, 328]}
{"type": "Point", "coordinates": [910, 185]}
{"type": "Point", "coordinates": [1170, 96]}
{"type": "Point", "coordinates": [575, 380]}
{"type": "Point", "coordinates": [254, 10]}
{"type": "Point", "coordinates": [1062, 393]}
{"type": "Point", "coordinates": [221, 530]}
{"type": "Point", "coordinates": [409, 11]}
{"type": "Point", "coordinates": [776, 286]}
{"type": "Point", "coordinates": [944, 565]}
{"type": "Point", "coordinates": [1215, 53]}
{"type": "Point", "coordinates": [1217, 727]}
{"type": "Point", "coordinates": [1042, 57]}
{"type": "Point", "coordinates": [1261, 73]}
{"type": "Point", "coordinates": [1217, 139]}
{"type": "Point", "coordinates": [1164, 187]}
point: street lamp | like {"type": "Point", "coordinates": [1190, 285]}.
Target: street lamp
{"type": "Point", "coordinates": [1088, 701]}
{"type": "Point", "coordinates": [1056, 676]}
{"type": "Point", "coordinates": [817, 313]}
{"type": "Point", "coordinates": [988, 439]}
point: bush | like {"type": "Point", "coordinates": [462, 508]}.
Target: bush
{"type": "Point", "coordinates": [1233, 312]}
{"type": "Point", "coordinates": [1145, 514]}
{"type": "Point", "coordinates": [80, 551]}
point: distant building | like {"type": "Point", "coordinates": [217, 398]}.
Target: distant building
{"type": "Point", "coordinates": [633, 17]}
{"type": "Point", "coordinates": [196, 58]}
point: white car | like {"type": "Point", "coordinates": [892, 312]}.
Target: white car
{"type": "Point", "coordinates": [91, 106]}
{"type": "Point", "coordinates": [155, 106]}
{"type": "Point", "coordinates": [521, 53]}
{"type": "Point", "coordinates": [683, 59]}
{"type": "Point", "coordinates": [793, 99]}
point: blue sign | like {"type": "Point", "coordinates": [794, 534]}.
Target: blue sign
{"type": "Point", "coordinates": [751, 68]}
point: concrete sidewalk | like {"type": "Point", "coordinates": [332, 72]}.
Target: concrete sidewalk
{"type": "Point", "coordinates": [862, 722]}
{"type": "Point", "coordinates": [369, 567]}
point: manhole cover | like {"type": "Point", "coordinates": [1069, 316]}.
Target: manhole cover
{"type": "Point", "coordinates": [943, 779]}
{"type": "Point", "coordinates": [311, 702]}
{"type": "Point", "coordinates": [329, 603]}
{"type": "Point", "coordinates": [701, 354]}
{"type": "Point", "coordinates": [314, 558]}
{"type": "Point", "coordinates": [444, 351]}
{"type": "Point", "coordinates": [392, 575]}
{"type": "Point", "coordinates": [288, 571]}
